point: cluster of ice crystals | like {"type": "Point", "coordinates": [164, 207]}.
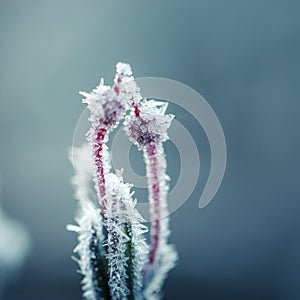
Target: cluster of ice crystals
{"type": "Point", "coordinates": [126, 232]}
{"type": "Point", "coordinates": [150, 126]}
{"type": "Point", "coordinates": [131, 92]}
{"type": "Point", "coordinates": [106, 105]}
{"type": "Point", "coordinates": [123, 69]}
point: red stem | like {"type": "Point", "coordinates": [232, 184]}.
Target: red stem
{"type": "Point", "coordinates": [98, 156]}
{"type": "Point", "coordinates": [155, 229]}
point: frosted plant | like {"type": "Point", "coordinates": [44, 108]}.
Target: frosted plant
{"type": "Point", "coordinates": [112, 253]}
{"type": "Point", "coordinates": [147, 128]}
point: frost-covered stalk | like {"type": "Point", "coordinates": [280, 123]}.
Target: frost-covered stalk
{"type": "Point", "coordinates": [91, 253]}
{"type": "Point", "coordinates": [147, 127]}
{"type": "Point", "coordinates": [114, 258]}
{"type": "Point", "coordinates": [127, 249]}
{"type": "Point", "coordinates": [90, 250]}
{"type": "Point", "coordinates": [107, 107]}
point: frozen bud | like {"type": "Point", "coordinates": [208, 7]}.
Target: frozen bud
{"type": "Point", "coordinates": [105, 104]}
{"type": "Point", "coordinates": [150, 126]}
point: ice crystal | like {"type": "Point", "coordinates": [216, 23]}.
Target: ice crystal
{"type": "Point", "coordinates": [113, 256]}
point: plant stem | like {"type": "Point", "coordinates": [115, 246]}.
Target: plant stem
{"type": "Point", "coordinates": [98, 143]}
{"type": "Point", "coordinates": [153, 181]}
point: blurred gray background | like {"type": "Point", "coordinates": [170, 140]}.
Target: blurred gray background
{"type": "Point", "coordinates": [242, 56]}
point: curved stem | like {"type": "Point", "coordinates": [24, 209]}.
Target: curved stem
{"type": "Point", "coordinates": [153, 181]}
{"type": "Point", "coordinates": [98, 144]}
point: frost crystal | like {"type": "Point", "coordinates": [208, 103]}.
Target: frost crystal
{"type": "Point", "coordinates": [113, 256]}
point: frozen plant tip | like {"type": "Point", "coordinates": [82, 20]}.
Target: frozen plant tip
{"type": "Point", "coordinates": [113, 256]}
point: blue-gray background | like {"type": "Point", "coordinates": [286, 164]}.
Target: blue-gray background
{"type": "Point", "coordinates": [242, 56]}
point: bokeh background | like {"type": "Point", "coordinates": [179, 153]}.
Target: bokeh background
{"type": "Point", "coordinates": [242, 56]}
